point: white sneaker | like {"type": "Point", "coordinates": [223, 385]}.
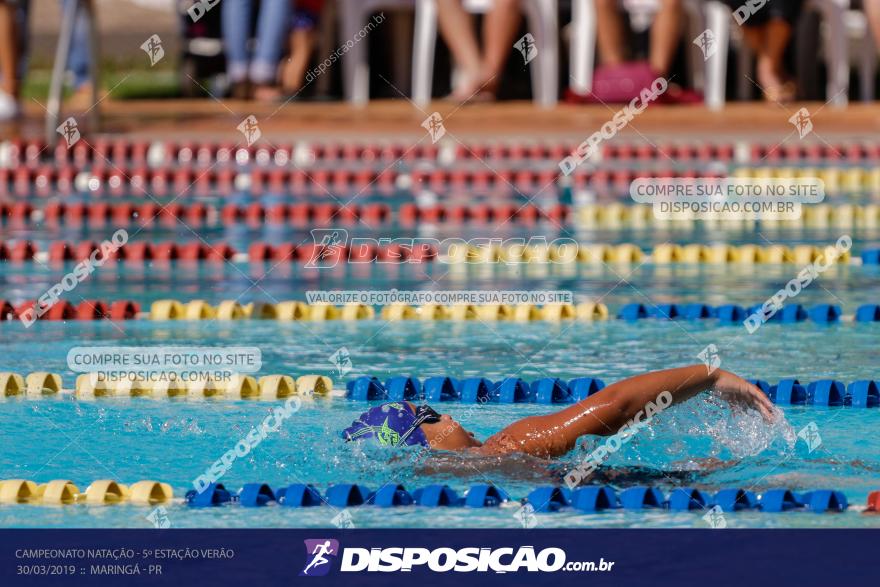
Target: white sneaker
{"type": "Point", "coordinates": [8, 107]}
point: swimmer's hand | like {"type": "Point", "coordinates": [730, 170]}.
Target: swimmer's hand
{"type": "Point", "coordinates": [738, 392]}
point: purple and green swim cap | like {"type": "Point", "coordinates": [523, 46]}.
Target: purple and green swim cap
{"type": "Point", "coordinates": [392, 424]}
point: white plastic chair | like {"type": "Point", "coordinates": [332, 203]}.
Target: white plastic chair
{"type": "Point", "coordinates": [543, 23]}
{"type": "Point", "coordinates": [353, 16]}
{"type": "Point", "coordinates": [718, 18]}
{"type": "Point", "coordinates": [582, 49]}
{"type": "Point", "coordinates": [865, 52]}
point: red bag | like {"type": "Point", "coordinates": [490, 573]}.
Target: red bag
{"type": "Point", "coordinates": [621, 83]}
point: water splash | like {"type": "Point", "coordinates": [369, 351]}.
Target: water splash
{"type": "Point", "coordinates": [737, 432]}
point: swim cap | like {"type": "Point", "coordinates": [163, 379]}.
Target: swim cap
{"type": "Point", "coordinates": [391, 424]}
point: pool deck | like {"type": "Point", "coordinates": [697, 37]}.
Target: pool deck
{"type": "Point", "coordinates": [382, 119]}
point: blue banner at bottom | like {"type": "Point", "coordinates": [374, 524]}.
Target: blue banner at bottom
{"type": "Point", "coordinates": [618, 558]}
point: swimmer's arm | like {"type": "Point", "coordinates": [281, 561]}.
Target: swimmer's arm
{"type": "Point", "coordinates": [606, 412]}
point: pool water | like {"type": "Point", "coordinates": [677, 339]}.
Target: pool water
{"type": "Point", "coordinates": [700, 443]}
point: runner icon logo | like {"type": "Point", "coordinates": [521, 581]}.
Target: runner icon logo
{"type": "Point", "coordinates": [319, 552]}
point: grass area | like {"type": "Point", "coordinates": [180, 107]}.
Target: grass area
{"type": "Point", "coordinates": [123, 83]}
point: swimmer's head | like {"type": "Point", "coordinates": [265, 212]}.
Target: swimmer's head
{"type": "Point", "coordinates": [404, 424]}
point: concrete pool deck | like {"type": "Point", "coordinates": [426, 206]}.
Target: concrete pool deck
{"type": "Point", "coordinates": [179, 119]}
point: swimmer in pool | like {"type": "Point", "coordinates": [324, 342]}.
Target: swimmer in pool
{"type": "Point", "coordinates": [553, 435]}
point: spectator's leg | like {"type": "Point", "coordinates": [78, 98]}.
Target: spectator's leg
{"type": "Point", "coordinates": [769, 42]}
{"type": "Point", "coordinates": [770, 70]}
{"type": "Point", "coordinates": [456, 27]}
{"type": "Point", "coordinates": [8, 62]}
{"type": "Point", "coordinates": [610, 35]}
{"type": "Point", "coordinates": [236, 17]}
{"type": "Point", "coordinates": [8, 50]}
{"type": "Point", "coordinates": [78, 62]}
{"type": "Point", "coordinates": [499, 29]}
{"type": "Point", "coordinates": [273, 25]}
{"type": "Point", "coordinates": [665, 35]}
{"type": "Point", "coordinates": [302, 43]}
{"type": "Point", "coordinates": [302, 40]}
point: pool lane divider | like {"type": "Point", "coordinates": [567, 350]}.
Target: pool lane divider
{"type": "Point", "coordinates": [120, 151]}
{"type": "Point", "coordinates": [455, 253]}
{"type": "Point", "coordinates": [163, 310]}
{"type": "Point", "coordinates": [90, 386]}
{"type": "Point", "coordinates": [789, 392]}
{"type": "Point", "coordinates": [324, 214]}
{"type": "Point", "coordinates": [863, 393]}
{"type": "Point", "coordinates": [65, 492]}
{"type": "Point", "coordinates": [544, 499]}
{"type": "Point", "coordinates": [165, 179]}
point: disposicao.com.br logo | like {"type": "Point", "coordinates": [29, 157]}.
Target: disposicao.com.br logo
{"type": "Point", "coordinates": [442, 560]}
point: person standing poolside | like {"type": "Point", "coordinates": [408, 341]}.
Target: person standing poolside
{"type": "Point", "coordinates": [396, 424]}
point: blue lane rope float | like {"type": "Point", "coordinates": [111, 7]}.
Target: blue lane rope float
{"type": "Point", "coordinates": [474, 389]}
{"type": "Point", "coordinates": [437, 496]}
{"type": "Point", "coordinates": [390, 495]}
{"type": "Point", "coordinates": [549, 390]}
{"type": "Point", "coordinates": [547, 498]}
{"type": "Point", "coordinates": [344, 495]}
{"type": "Point", "coordinates": [255, 495]}
{"type": "Point", "coordinates": [688, 498]}
{"type": "Point", "coordinates": [594, 498]}
{"type": "Point", "coordinates": [871, 257]}
{"type": "Point", "coordinates": [299, 495]}
{"type": "Point", "coordinates": [779, 500]}
{"type": "Point", "coordinates": [735, 499]}
{"type": "Point", "coordinates": [864, 394]}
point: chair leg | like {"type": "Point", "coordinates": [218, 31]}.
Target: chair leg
{"type": "Point", "coordinates": [582, 48]}
{"type": "Point", "coordinates": [745, 69]}
{"type": "Point", "coordinates": [543, 20]}
{"type": "Point", "coordinates": [837, 88]}
{"type": "Point", "coordinates": [56, 86]}
{"type": "Point", "coordinates": [424, 43]}
{"type": "Point", "coordinates": [355, 63]}
{"type": "Point", "coordinates": [867, 68]}
{"type": "Point", "coordinates": [718, 23]}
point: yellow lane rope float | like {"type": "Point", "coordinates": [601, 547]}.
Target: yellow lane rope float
{"type": "Point", "coordinates": [91, 385]}
{"type": "Point", "coordinates": [100, 492]}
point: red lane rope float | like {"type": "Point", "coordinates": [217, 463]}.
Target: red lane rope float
{"type": "Point", "coordinates": [815, 152]}
{"type": "Point", "coordinates": [126, 151]}
{"type": "Point", "coordinates": [61, 251]}
{"type": "Point", "coordinates": [165, 183]}
{"type": "Point", "coordinates": [302, 214]}
{"type": "Point", "coordinates": [145, 251]}
{"type": "Point", "coordinates": [85, 310]}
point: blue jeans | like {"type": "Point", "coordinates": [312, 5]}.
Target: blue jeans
{"type": "Point", "coordinates": [79, 58]}
{"type": "Point", "coordinates": [273, 24]}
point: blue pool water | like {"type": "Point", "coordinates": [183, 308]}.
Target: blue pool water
{"type": "Point", "coordinates": [696, 444]}
{"type": "Point", "coordinates": [699, 444]}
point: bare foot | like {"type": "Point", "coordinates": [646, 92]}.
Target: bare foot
{"type": "Point", "coordinates": [267, 94]}
{"type": "Point", "coordinates": [774, 85]}
{"type": "Point", "coordinates": [474, 89]}
{"type": "Point", "coordinates": [81, 98]}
